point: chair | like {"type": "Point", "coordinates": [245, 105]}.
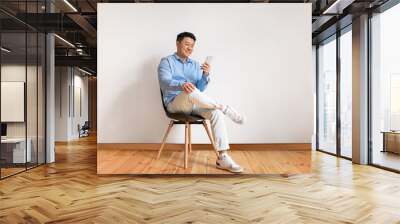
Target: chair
{"type": "Point", "coordinates": [84, 129]}
{"type": "Point", "coordinates": [187, 120]}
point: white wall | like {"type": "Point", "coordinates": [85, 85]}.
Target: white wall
{"type": "Point", "coordinates": [80, 83]}
{"type": "Point", "coordinates": [261, 65]}
{"type": "Point", "coordinates": [67, 80]}
{"type": "Point", "coordinates": [61, 103]}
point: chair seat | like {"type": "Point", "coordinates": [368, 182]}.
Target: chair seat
{"type": "Point", "coordinates": [181, 118]}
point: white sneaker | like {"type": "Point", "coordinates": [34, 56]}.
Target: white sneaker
{"type": "Point", "coordinates": [225, 162]}
{"type": "Point", "coordinates": [233, 114]}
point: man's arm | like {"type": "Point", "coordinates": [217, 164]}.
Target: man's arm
{"type": "Point", "coordinates": [205, 77]}
{"type": "Point", "coordinates": [203, 82]}
{"type": "Point", "coordinates": [165, 77]}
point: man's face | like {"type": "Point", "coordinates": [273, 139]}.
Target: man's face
{"type": "Point", "coordinates": [185, 47]}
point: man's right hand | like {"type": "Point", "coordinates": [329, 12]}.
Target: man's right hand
{"type": "Point", "coordinates": [188, 87]}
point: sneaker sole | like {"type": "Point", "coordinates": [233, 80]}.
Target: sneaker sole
{"type": "Point", "coordinates": [232, 171]}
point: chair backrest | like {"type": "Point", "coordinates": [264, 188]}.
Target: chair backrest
{"type": "Point", "coordinates": [86, 125]}
{"type": "Point", "coordinates": [181, 117]}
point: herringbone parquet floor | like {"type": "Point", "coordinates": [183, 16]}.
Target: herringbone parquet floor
{"type": "Point", "coordinates": [69, 191]}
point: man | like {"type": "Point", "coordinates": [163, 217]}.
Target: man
{"type": "Point", "coordinates": [182, 81]}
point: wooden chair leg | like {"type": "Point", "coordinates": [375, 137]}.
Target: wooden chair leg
{"type": "Point", "coordinates": [186, 143]}
{"type": "Point", "coordinates": [190, 138]}
{"type": "Point", "coordinates": [165, 138]}
{"type": "Point", "coordinates": [210, 137]}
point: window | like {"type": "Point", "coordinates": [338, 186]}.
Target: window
{"type": "Point", "coordinates": [385, 88]}
{"type": "Point", "coordinates": [346, 93]}
{"type": "Point", "coordinates": [327, 96]}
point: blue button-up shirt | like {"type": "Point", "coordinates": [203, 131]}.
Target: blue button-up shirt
{"type": "Point", "coordinates": [173, 72]}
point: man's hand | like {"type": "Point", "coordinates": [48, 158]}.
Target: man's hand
{"type": "Point", "coordinates": [188, 87]}
{"type": "Point", "coordinates": [206, 68]}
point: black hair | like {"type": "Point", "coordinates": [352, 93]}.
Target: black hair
{"type": "Point", "coordinates": [182, 35]}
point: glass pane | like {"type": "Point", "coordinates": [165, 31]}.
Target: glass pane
{"type": "Point", "coordinates": [41, 98]}
{"type": "Point", "coordinates": [31, 101]}
{"type": "Point", "coordinates": [13, 88]}
{"type": "Point", "coordinates": [327, 97]}
{"type": "Point", "coordinates": [22, 88]}
{"type": "Point", "coordinates": [386, 89]}
{"type": "Point", "coordinates": [346, 93]}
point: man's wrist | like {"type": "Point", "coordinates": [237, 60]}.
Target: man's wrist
{"type": "Point", "coordinates": [206, 77]}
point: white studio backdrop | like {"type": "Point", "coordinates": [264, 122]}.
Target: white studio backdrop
{"type": "Point", "coordinates": [261, 66]}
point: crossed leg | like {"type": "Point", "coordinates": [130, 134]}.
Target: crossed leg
{"type": "Point", "coordinates": [197, 102]}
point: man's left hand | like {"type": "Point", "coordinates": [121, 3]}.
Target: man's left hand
{"type": "Point", "coordinates": [206, 68]}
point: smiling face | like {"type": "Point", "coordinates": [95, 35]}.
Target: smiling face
{"type": "Point", "coordinates": [184, 48]}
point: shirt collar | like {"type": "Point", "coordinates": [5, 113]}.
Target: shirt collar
{"type": "Point", "coordinates": [188, 60]}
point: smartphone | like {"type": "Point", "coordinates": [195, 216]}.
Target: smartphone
{"type": "Point", "coordinates": [208, 60]}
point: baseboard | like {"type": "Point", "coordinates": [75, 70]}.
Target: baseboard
{"type": "Point", "coordinates": [252, 147]}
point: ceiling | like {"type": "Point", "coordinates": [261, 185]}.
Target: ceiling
{"type": "Point", "coordinates": [76, 21]}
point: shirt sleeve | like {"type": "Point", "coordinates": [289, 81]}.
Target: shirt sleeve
{"type": "Point", "coordinates": [166, 79]}
{"type": "Point", "coordinates": [203, 82]}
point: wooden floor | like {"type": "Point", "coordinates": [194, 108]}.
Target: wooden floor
{"type": "Point", "coordinates": [124, 161]}
{"type": "Point", "coordinates": [5, 172]}
{"type": "Point", "coordinates": [70, 191]}
{"type": "Point", "coordinates": [10, 171]}
{"type": "Point", "coordinates": [387, 159]}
